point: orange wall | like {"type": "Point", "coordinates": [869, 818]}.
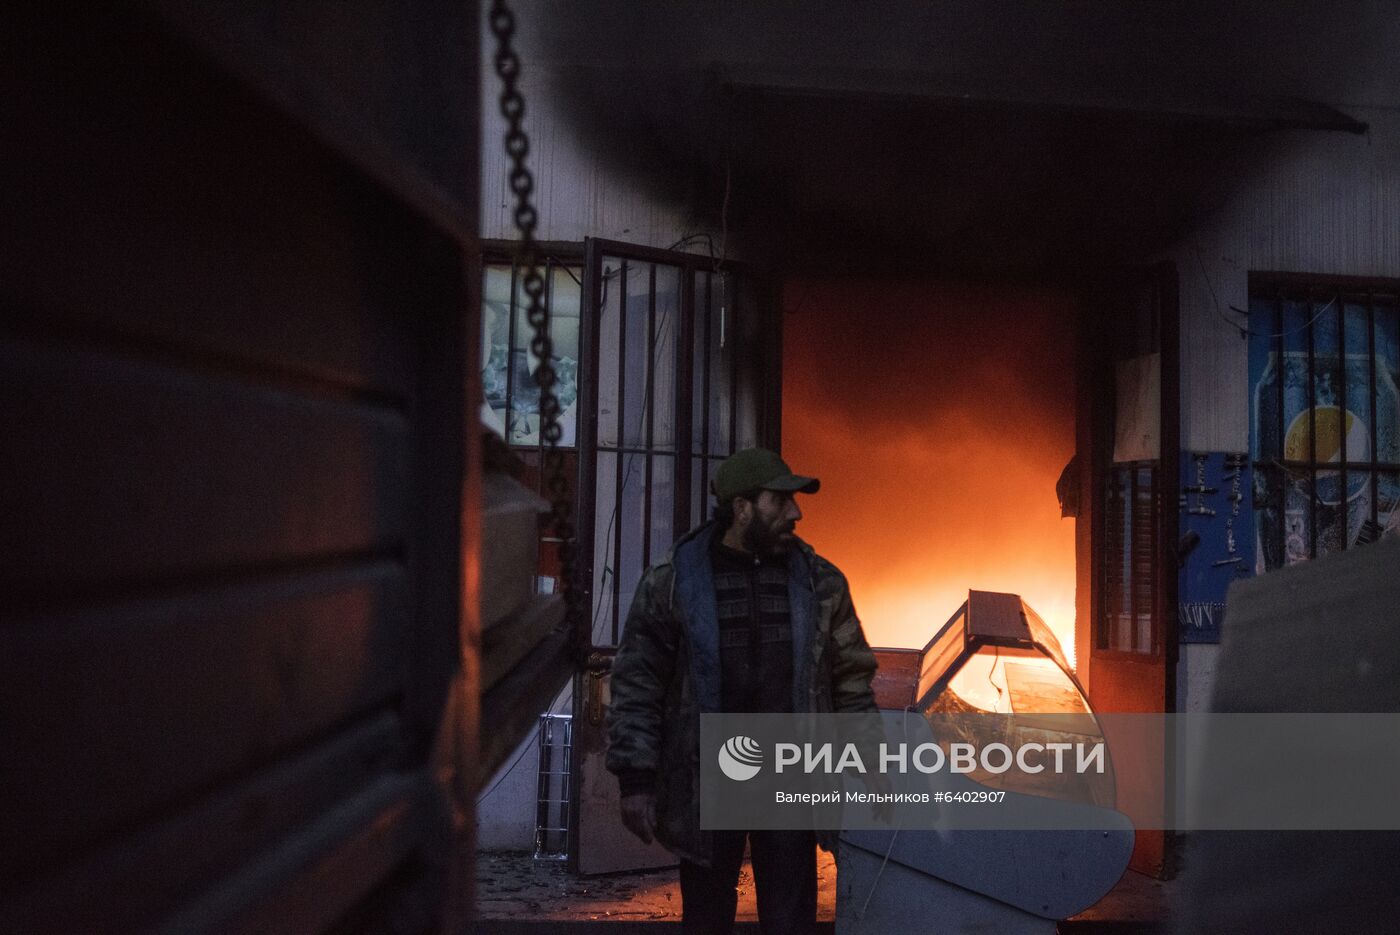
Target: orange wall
{"type": "Point", "coordinates": [938, 417]}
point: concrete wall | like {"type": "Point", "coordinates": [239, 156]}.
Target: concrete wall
{"type": "Point", "coordinates": [1326, 203]}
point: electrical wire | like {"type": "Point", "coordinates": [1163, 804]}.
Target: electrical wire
{"type": "Point", "coordinates": [630, 459]}
{"type": "Point", "coordinates": [996, 657]}
{"type": "Point", "coordinates": [874, 883]}
{"type": "Point", "coordinates": [561, 264]}
{"type": "Point", "coordinates": [724, 216]}
{"type": "Point", "coordinates": [904, 726]}
{"type": "Point", "coordinates": [558, 264]}
{"type": "Point", "coordinates": [628, 467]}
{"type": "Point", "coordinates": [524, 748]}
{"type": "Point", "coordinates": [691, 238]}
{"type": "Point", "coordinates": [728, 175]}
{"type": "Point", "coordinates": [1246, 332]}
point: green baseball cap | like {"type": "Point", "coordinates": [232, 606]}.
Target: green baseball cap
{"type": "Point", "coordinates": [758, 469]}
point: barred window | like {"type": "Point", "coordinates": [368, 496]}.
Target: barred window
{"type": "Point", "coordinates": [1325, 425]}
{"type": "Point", "coordinates": [677, 361]}
{"type": "Point", "coordinates": [1129, 574]}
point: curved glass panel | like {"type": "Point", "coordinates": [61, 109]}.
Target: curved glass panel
{"type": "Point", "coordinates": [1017, 695]}
{"type": "Point", "coordinates": [942, 652]}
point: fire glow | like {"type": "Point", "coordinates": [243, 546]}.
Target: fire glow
{"type": "Point", "coordinates": [939, 418]}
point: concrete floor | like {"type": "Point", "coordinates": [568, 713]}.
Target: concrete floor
{"type": "Point", "coordinates": [517, 895]}
{"type": "Point", "coordinates": [512, 887]}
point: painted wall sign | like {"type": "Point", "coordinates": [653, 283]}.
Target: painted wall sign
{"type": "Point", "coordinates": [1217, 539]}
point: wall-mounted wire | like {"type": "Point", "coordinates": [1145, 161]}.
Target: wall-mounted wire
{"type": "Point", "coordinates": [524, 749]}
{"type": "Point", "coordinates": [691, 238]}
{"type": "Point", "coordinates": [1246, 332]}
{"type": "Point", "coordinates": [560, 264]}
{"type": "Point", "coordinates": [996, 657]}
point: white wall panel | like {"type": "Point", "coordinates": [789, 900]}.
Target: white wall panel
{"type": "Point", "coordinates": [1321, 203]}
{"type": "Point", "coordinates": [1325, 203]}
{"type": "Point", "coordinates": [577, 195]}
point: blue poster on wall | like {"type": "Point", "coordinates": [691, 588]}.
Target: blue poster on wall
{"type": "Point", "coordinates": [1324, 422]}
{"type": "Point", "coordinates": [1217, 539]}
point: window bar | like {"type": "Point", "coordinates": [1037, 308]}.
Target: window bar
{"type": "Point", "coordinates": [510, 355]}
{"type": "Point", "coordinates": [1122, 570]}
{"type": "Point", "coordinates": [731, 292]}
{"type": "Point", "coordinates": [544, 740]}
{"type": "Point", "coordinates": [705, 386]}
{"type": "Point", "coordinates": [549, 304]}
{"type": "Point", "coordinates": [1106, 604]}
{"type": "Point", "coordinates": [683, 364]}
{"type": "Point", "coordinates": [1281, 473]}
{"type": "Point", "coordinates": [566, 805]}
{"type": "Point", "coordinates": [1120, 484]}
{"type": "Point", "coordinates": [1144, 565]}
{"type": "Point", "coordinates": [629, 449]}
{"type": "Point", "coordinates": [1105, 610]}
{"type": "Point", "coordinates": [621, 441]}
{"type": "Point", "coordinates": [1149, 555]}
{"type": "Point", "coordinates": [1154, 509]}
{"type": "Point", "coordinates": [1375, 455]}
{"type": "Point", "coordinates": [1130, 540]}
{"type": "Point", "coordinates": [1311, 327]}
{"type": "Point", "coordinates": [1342, 414]}
{"type": "Point", "coordinates": [1121, 526]}
{"type": "Point", "coordinates": [649, 404]}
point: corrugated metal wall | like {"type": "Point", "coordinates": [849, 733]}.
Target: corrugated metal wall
{"type": "Point", "coordinates": [232, 395]}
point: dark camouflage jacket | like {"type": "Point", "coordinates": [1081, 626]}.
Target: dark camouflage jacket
{"type": "Point", "coordinates": [667, 671]}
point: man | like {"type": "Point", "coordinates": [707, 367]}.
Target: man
{"type": "Point", "coordinates": [742, 617]}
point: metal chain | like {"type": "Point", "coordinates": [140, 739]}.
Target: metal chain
{"type": "Point", "coordinates": [527, 260]}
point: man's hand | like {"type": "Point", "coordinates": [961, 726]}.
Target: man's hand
{"type": "Point", "coordinates": [639, 815]}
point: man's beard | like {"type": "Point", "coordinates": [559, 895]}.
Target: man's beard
{"type": "Point", "coordinates": [761, 539]}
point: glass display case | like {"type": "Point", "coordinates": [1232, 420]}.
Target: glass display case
{"type": "Point", "coordinates": [995, 673]}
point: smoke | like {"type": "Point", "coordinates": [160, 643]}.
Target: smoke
{"type": "Point", "coordinates": [938, 418]}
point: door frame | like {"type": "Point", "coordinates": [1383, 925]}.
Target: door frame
{"type": "Point", "coordinates": [1154, 848]}
{"type": "Point", "coordinates": [762, 359]}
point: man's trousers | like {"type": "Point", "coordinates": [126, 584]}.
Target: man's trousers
{"type": "Point", "coordinates": [785, 878]}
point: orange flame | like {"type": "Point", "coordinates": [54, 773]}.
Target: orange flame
{"type": "Point", "coordinates": [938, 418]}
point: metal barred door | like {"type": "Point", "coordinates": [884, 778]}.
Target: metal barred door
{"type": "Point", "coordinates": [680, 369]}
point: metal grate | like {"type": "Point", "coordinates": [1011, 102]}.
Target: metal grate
{"type": "Point", "coordinates": [1324, 426]}
{"type": "Point", "coordinates": [552, 800]}
{"type": "Point", "coordinates": [1129, 574]}
{"type": "Point", "coordinates": [675, 385]}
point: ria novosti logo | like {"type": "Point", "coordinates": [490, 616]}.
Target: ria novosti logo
{"type": "Point", "coordinates": [740, 758]}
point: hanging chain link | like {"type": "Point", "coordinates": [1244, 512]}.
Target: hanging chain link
{"type": "Point", "coordinates": [527, 260]}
